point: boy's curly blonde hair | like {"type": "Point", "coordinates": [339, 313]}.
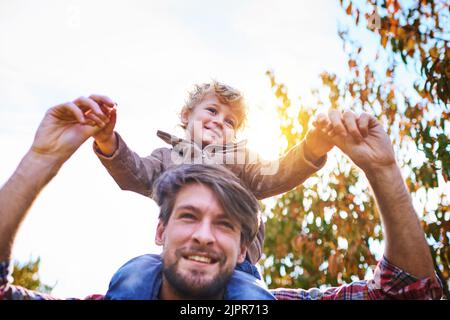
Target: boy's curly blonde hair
{"type": "Point", "coordinates": [225, 93]}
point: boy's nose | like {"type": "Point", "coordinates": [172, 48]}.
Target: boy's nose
{"type": "Point", "coordinates": [218, 120]}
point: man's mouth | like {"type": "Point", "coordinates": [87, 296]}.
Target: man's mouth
{"type": "Point", "coordinates": [201, 258]}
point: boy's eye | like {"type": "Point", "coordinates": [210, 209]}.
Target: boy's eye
{"type": "Point", "coordinates": [230, 122]}
{"type": "Point", "coordinates": [212, 110]}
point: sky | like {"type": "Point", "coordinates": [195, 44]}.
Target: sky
{"type": "Point", "coordinates": [145, 55]}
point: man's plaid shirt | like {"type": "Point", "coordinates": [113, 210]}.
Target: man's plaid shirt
{"type": "Point", "coordinates": [388, 282]}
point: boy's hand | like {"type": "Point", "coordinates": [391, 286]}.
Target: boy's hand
{"type": "Point", "coordinates": [317, 141]}
{"type": "Point", "coordinates": [105, 138]}
{"type": "Point", "coordinates": [366, 143]}
{"type": "Point", "coordinates": [329, 127]}
{"type": "Point", "coordinates": [340, 124]}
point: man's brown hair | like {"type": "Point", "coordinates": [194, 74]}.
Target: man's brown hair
{"type": "Point", "coordinates": [237, 202]}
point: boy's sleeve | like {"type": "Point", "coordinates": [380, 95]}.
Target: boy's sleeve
{"type": "Point", "coordinates": [269, 178]}
{"type": "Point", "coordinates": [129, 170]}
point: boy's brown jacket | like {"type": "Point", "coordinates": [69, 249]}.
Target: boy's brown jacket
{"type": "Point", "coordinates": [263, 178]}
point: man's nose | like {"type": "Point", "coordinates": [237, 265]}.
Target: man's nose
{"type": "Point", "coordinates": [203, 233]}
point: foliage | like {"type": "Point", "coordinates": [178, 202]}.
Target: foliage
{"type": "Point", "coordinates": [27, 275]}
{"type": "Point", "coordinates": [326, 231]}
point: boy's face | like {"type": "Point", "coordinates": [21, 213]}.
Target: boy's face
{"type": "Point", "coordinates": [201, 244]}
{"type": "Point", "coordinates": [210, 122]}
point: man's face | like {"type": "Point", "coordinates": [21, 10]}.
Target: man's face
{"type": "Point", "coordinates": [201, 246]}
{"type": "Point", "coordinates": [210, 122]}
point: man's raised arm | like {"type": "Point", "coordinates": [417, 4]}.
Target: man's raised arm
{"type": "Point", "coordinates": [369, 147]}
{"type": "Point", "coordinates": [64, 128]}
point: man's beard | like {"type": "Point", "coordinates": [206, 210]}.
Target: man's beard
{"type": "Point", "coordinates": [193, 286]}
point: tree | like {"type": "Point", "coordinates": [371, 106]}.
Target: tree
{"type": "Point", "coordinates": [326, 231]}
{"type": "Point", "coordinates": [27, 275]}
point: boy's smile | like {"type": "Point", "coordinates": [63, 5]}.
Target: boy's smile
{"type": "Point", "coordinates": [216, 132]}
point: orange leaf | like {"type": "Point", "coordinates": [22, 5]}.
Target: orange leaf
{"type": "Point", "coordinates": [349, 9]}
{"type": "Point", "coordinates": [351, 63]}
{"type": "Point", "coordinates": [389, 73]}
{"type": "Point", "coordinates": [384, 40]}
{"type": "Point", "coordinates": [396, 6]}
{"type": "Point", "coordinates": [332, 265]}
{"type": "Point", "coordinates": [433, 52]}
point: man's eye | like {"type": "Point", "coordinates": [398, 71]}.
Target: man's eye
{"type": "Point", "coordinates": [226, 224]}
{"type": "Point", "coordinates": [188, 216]}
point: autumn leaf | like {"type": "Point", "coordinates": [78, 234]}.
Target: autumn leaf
{"type": "Point", "coordinates": [349, 9]}
{"type": "Point", "coordinates": [384, 40]}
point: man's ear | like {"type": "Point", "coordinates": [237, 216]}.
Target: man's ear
{"type": "Point", "coordinates": [159, 236]}
{"type": "Point", "coordinates": [242, 254]}
{"type": "Point", "coordinates": [185, 113]}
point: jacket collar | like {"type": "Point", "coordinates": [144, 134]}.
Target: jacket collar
{"type": "Point", "coordinates": [212, 148]}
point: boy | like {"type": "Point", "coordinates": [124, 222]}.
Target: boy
{"type": "Point", "coordinates": [211, 116]}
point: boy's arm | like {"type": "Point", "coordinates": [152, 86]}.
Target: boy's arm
{"type": "Point", "coordinates": [270, 178]}
{"type": "Point", "coordinates": [105, 139]}
{"type": "Point", "coordinates": [107, 147]}
{"type": "Point", "coordinates": [129, 170]}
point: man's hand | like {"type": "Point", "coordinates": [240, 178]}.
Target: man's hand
{"type": "Point", "coordinates": [361, 138]}
{"type": "Point", "coordinates": [66, 126]}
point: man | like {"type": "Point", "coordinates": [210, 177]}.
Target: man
{"type": "Point", "coordinates": [207, 222]}
{"type": "Point", "coordinates": [406, 270]}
